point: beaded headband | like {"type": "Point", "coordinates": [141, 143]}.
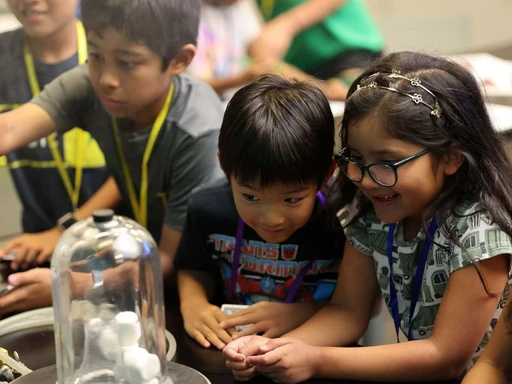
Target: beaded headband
{"type": "Point", "coordinates": [417, 98]}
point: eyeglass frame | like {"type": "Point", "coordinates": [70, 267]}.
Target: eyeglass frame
{"type": "Point", "coordinates": [366, 168]}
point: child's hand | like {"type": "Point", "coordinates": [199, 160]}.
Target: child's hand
{"type": "Point", "coordinates": [285, 360]}
{"type": "Point", "coordinates": [258, 68]}
{"type": "Point", "coordinates": [268, 318]}
{"type": "Point", "coordinates": [273, 41]}
{"type": "Point", "coordinates": [33, 290]}
{"type": "Point", "coordinates": [335, 89]}
{"type": "Point", "coordinates": [202, 324]}
{"type": "Point", "coordinates": [32, 249]}
{"type": "Point", "coordinates": [236, 353]}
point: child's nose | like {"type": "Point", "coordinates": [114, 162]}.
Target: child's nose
{"type": "Point", "coordinates": [368, 182]}
{"type": "Point", "coordinates": [272, 218]}
{"type": "Point", "coordinates": [109, 78]}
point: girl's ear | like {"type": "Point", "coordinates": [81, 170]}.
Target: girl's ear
{"type": "Point", "coordinates": [453, 160]}
{"type": "Point", "coordinates": [218, 158]}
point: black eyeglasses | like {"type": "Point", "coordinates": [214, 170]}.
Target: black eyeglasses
{"type": "Point", "coordinates": [383, 173]}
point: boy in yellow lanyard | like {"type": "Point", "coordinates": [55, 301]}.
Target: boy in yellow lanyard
{"type": "Point", "coordinates": [157, 127]}
{"type": "Point", "coordinates": [56, 174]}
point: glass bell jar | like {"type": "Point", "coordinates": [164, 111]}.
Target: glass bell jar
{"type": "Point", "coordinates": [108, 303]}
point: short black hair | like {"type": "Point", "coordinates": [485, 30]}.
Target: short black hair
{"type": "Point", "coordinates": [277, 131]}
{"type": "Point", "coordinates": [164, 26]}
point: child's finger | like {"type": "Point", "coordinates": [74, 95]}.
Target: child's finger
{"type": "Point", "coordinates": [266, 360]}
{"type": "Point", "coordinates": [248, 331]}
{"type": "Point", "coordinates": [234, 320]}
{"type": "Point", "coordinates": [273, 344]}
{"type": "Point", "coordinates": [214, 339]}
{"type": "Point", "coordinates": [245, 375]}
{"type": "Point", "coordinates": [198, 336]}
{"type": "Point", "coordinates": [232, 356]}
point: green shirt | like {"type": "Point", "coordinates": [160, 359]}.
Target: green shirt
{"type": "Point", "coordinates": [348, 28]}
{"type": "Point", "coordinates": [481, 238]}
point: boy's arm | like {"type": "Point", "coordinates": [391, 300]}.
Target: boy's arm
{"type": "Point", "coordinates": [169, 242]}
{"type": "Point", "coordinates": [36, 248]}
{"type": "Point", "coordinates": [24, 125]}
{"type": "Point", "coordinates": [271, 319]}
{"type": "Point", "coordinates": [62, 105]}
{"type": "Point", "coordinates": [196, 286]}
{"type": "Point", "coordinates": [108, 196]}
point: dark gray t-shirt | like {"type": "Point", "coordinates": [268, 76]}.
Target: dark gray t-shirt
{"type": "Point", "coordinates": [37, 180]}
{"type": "Point", "coordinates": [184, 155]}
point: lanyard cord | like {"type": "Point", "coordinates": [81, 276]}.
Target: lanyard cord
{"type": "Point", "coordinates": [74, 193]}
{"type": "Point", "coordinates": [418, 278]}
{"type": "Point", "coordinates": [140, 205]}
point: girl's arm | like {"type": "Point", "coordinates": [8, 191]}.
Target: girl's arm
{"type": "Point", "coordinates": [493, 366]}
{"type": "Point", "coordinates": [310, 13]}
{"type": "Point", "coordinates": [463, 317]}
{"type": "Point", "coordinates": [289, 24]}
{"type": "Point", "coordinates": [345, 319]}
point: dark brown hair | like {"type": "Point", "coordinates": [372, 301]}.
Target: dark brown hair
{"type": "Point", "coordinates": [164, 26]}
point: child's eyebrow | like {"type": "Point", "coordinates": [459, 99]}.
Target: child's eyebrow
{"type": "Point", "coordinates": [90, 43]}
{"type": "Point", "coordinates": [379, 152]}
{"type": "Point", "coordinates": [295, 190]}
{"type": "Point", "coordinates": [127, 52]}
{"type": "Point", "coordinates": [248, 186]}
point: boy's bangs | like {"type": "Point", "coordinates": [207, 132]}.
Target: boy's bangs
{"type": "Point", "coordinates": [270, 165]}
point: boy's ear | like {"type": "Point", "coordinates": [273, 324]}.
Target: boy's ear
{"type": "Point", "coordinates": [182, 60]}
{"type": "Point", "coordinates": [329, 174]}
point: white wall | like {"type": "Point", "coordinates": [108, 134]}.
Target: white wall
{"type": "Point", "coordinates": [7, 21]}
{"type": "Point", "coordinates": [443, 26]}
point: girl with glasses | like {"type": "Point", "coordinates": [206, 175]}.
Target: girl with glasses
{"type": "Point", "coordinates": [428, 222]}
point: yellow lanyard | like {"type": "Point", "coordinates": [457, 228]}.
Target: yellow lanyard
{"type": "Point", "coordinates": [73, 193]}
{"type": "Point", "coordinates": [267, 7]}
{"type": "Point", "coordinates": [140, 206]}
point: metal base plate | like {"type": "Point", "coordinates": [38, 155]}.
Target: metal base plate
{"type": "Point", "coordinates": [177, 372]}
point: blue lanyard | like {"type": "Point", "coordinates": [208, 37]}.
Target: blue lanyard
{"type": "Point", "coordinates": [418, 278]}
{"type": "Point", "coordinates": [236, 261]}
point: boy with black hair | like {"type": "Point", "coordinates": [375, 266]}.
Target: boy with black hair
{"type": "Point", "coordinates": [268, 235]}
{"type": "Point", "coordinates": [157, 127]}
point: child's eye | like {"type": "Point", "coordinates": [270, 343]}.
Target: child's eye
{"type": "Point", "coordinates": [127, 64]}
{"type": "Point", "coordinates": [251, 198]}
{"type": "Point", "coordinates": [94, 56]}
{"type": "Point", "coordinates": [293, 200]}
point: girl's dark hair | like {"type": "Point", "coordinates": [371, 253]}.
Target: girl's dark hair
{"type": "Point", "coordinates": [464, 128]}
{"type": "Point", "coordinates": [164, 26]}
{"type": "Point", "coordinates": [277, 131]}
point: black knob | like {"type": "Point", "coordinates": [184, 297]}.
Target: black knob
{"type": "Point", "coordinates": [103, 215]}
